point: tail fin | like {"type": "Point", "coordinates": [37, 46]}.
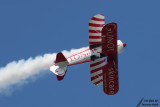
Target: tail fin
{"type": "Point", "coordinates": [61, 60]}
{"type": "Point", "coordinates": [60, 57]}
{"type": "Point", "coordinates": [62, 63]}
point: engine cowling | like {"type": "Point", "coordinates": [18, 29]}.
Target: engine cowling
{"type": "Point", "coordinates": [120, 46]}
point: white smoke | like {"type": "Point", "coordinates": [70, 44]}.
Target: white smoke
{"type": "Point", "coordinates": [18, 72]}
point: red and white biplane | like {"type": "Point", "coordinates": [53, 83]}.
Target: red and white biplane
{"type": "Point", "coordinates": [102, 43]}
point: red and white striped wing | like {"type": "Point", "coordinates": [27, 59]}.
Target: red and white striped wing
{"type": "Point", "coordinates": [96, 71]}
{"type": "Point", "coordinates": [95, 27]}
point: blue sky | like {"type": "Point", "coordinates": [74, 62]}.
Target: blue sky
{"type": "Point", "coordinates": [34, 27]}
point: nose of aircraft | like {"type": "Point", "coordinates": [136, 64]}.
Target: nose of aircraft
{"type": "Point", "coordinates": [124, 44]}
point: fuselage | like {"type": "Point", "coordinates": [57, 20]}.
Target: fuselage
{"type": "Point", "coordinates": [85, 56]}
{"type": "Point", "coordinates": [82, 57]}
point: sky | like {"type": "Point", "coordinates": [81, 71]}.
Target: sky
{"type": "Point", "coordinates": [30, 28]}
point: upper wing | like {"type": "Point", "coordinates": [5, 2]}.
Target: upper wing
{"type": "Point", "coordinates": [109, 48]}
{"type": "Point", "coordinates": [96, 71]}
{"type": "Point", "coordinates": [95, 26]}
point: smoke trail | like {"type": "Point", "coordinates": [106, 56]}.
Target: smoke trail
{"type": "Point", "coordinates": [18, 72]}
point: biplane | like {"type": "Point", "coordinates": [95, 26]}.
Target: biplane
{"type": "Point", "coordinates": [102, 54]}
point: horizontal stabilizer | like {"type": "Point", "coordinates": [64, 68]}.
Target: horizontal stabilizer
{"type": "Point", "coordinates": [59, 78]}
